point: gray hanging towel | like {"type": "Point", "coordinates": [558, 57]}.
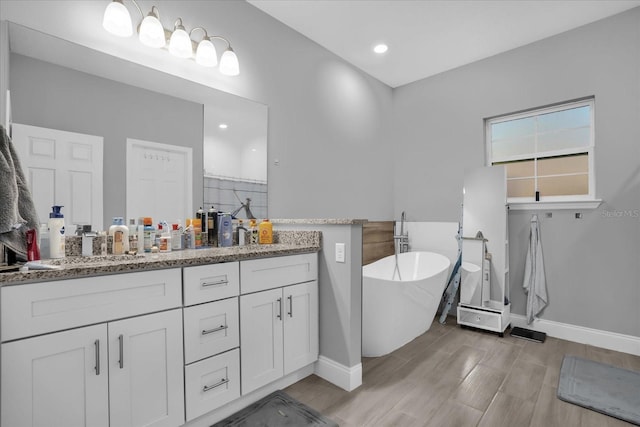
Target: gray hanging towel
{"type": "Point", "coordinates": [17, 210]}
{"type": "Point", "coordinates": [535, 282]}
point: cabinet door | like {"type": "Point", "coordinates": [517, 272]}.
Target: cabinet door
{"type": "Point", "coordinates": [261, 338]}
{"type": "Point", "coordinates": [300, 325]}
{"type": "Point", "coordinates": [58, 379]}
{"type": "Point", "coordinates": [146, 376]}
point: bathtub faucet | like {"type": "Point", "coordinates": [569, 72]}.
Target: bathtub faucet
{"type": "Point", "coordinates": [402, 238]}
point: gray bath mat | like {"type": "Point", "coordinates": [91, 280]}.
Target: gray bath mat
{"type": "Point", "coordinates": [276, 410]}
{"type": "Point", "coordinates": [603, 388]}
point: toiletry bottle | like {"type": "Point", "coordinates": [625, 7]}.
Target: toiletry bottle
{"type": "Point", "coordinates": [266, 232]}
{"type": "Point", "coordinates": [202, 216]}
{"type": "Point", "coordinates": [225, 230]}
{"type": "Point", "coordinates": [119, 234]}
{"type": "Point", "coordinates": [140, 233]}
{"type": "Point", "coordinates": [254, 235]}
{"type": "Point", "coordinates": [212, 227]}
{"type": "Point", "coordinates": [165, 240]}
{"type": "Point", "coordinates": [44, 240]}
{"type": "Point", "coordinates": [149, 234]}
{"type": "Point", "coordinates": [242, 233]}
{"type": "Point", "coordinates": [56, 233]}
{"type": "Point", "coordinates": [176, 237]}
{"type": "Point", "coordinates": [33, 252]}
{"type": "Point", "coordinates": [196, 223]}
{"type": "Point", "coordinates": [133, 235]}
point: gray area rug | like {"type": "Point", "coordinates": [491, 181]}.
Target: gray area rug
{"type": "Point", "coordinates": [276, 410]}
{"type": "Point", "coordinates": [604, 388]}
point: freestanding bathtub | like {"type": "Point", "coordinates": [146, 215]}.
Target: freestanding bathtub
{"type": "Point", "coordinates": [396, 311]}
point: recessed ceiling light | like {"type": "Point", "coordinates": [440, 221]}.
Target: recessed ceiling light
{"type": "Point", "coordinates": [380, 48]}
{"type": "Point", "coordinates": [222, 126]}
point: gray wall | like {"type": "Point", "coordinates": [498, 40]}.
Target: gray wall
{"type": "Point", "coordinates": [592, 264]}
{"type": "Point", "coordinates": [46, 95]}
{"type": "Point", "coordinates": [330, 126]}
{"type": "Point", "coordinates": [328, 122]}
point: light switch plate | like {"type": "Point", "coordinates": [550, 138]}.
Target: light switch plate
{"type": "Point", "coordinates": [340, 252]}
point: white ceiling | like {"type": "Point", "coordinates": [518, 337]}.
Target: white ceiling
{"type": "Point", "coordinates": [427, 37]}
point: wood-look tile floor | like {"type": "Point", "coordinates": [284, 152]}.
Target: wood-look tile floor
{"type": "Point", "coordinates": [451, 376]}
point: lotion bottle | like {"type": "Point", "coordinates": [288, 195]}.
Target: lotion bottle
{"type": "Point", "coordinates": [56, 233]}
{"type": "Point", "coordinates": [266, 232]}
{"type": "Point", "coordinates": [120, 236]}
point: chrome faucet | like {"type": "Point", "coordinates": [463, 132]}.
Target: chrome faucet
{"type": "Point", "coordinates": [402, 238]}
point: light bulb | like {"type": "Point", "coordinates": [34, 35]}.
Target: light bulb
{"type": "Point", "coordinates": [381, 48]}
{"type": "Point", "coordinates": [152, 32]}
{"type": "Point", "coordinates": [117, 19]}
{"type": "Point", "coordinates": [229, 63]}
{"type": "Point", "coordinates": [206, 54]}
{"type": "Point", "coordinates": [180, 43]}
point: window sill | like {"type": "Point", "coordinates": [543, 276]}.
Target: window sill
{"type": "Point", "coordinates": [576, 204]}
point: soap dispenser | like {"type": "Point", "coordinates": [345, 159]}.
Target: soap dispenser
{"type": "Point", "coordinates": [56, 233]}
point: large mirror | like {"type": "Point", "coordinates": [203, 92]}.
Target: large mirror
{"type": "Point", "coordinates": [58, 84]}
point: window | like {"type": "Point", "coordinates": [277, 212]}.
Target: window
{"type": "Point", "coordinates": [547, 152]}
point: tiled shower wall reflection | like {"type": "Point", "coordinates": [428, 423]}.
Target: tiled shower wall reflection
{"type": "Point", "coordinates": [219, 192]}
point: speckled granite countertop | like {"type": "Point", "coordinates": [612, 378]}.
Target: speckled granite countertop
{"type": "Point", "coordinates": [286, 243]}
{"type": "Point", "coordinates": [320, 221]}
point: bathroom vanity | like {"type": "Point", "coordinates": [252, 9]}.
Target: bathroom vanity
{"type": "Point", "coordinates": [158, 340]}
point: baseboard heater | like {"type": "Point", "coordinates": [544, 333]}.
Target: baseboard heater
{"type": "Point", "coordinates": [528, 334]}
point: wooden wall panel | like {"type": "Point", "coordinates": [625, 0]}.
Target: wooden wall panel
{"type": "Point", "coordinates": [377, 241]}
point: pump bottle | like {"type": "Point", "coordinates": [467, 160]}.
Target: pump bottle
{"type": "Point", "coordinates": [56, 233]}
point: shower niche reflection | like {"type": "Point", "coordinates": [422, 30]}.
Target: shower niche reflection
{"type": "Point", "coordinates": [484, 287]}
{"type": "Point", "coordinates": [234, 158]}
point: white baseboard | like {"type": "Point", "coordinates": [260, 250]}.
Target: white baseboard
{"type": "Point", "coordinates": [344, 377]}
{"type": "Point", "coordinates": [580, 334]}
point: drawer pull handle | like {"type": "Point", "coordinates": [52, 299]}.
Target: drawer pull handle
{"type": "Point", "coordinates": [218, 384]}
{"type": "Point", "coordinates": [279, 315]}
{"type": "Point", "coordinates": [290, 298]}
{"type": "Point", "coordinates": [210, 331]}
{"type": "Point", "coordinates": [97, 344]}
{"type": "Point", "coordinates": [215, 283]}
{"type": "Point", "coordinates": [121, 342]}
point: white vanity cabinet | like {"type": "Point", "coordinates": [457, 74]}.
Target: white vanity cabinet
{"type": "Point", "coordinates": [279, 326]}
{"type": "Point", "coordinates": [63, 370]}
{"type": "Point", "coordinates": [126, 372]}
{"type": "Point", "coordinates": [211, 337]}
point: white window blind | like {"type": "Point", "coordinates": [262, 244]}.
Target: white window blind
{"type": "Point", "coordinates": [547, 152]}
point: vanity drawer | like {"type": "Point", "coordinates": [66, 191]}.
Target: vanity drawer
{"type": "Point", "coordinates": [210, 329]}
{"type": "Point", "coordinates": [489, 320]}
{"type": "Point", "coordinates": [268, 273]}
{"type": "Point", "coordinates": [38, 308]}
{"type": "Point", "coordinates": [212, 282]}
{"type": "Point", "coordinates": [212, 382]}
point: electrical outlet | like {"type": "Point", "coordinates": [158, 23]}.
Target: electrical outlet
{"type": "Point", "coordinates": [340, 252]}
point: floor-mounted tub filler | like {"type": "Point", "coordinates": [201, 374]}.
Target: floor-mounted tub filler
{"type": "Point", "coordinates": [396, 311]}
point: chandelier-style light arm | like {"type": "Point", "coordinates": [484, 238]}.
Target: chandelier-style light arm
{"type": "Point", "coordinates": [139, 9]}
{"type": "Point", "coordinates": [221, 38]}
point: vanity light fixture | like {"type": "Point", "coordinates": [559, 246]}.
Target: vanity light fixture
{"type": "Point", "coordinates": [223, 126]}
{"type": "Point", "coordinates": [117, 21]}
